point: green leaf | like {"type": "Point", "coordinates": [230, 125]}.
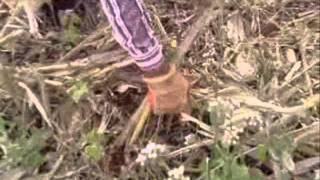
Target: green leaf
{"type": "Point", "coordinates": [239, 172]}
{"type": "Point", "coordinates": [73, 34]}
{"type": "Point", "coordinates": [25, 151]}
{"type": "Point", "coordinates": [95, 142]}
{"type": "Point", "coordinates": [72, 31]}
{"type": "Point", "coordinates": [226, 165]}
{"type": "Point", "coordinates": [262, 152]}
{"type": "Point", "coordinates": [94, 137]}
{"type": "Point", "coordinates": [33, 159]}
{"type": "Point", "coordinates": [78, 90]}
{"type": "Point", "coordinates": [38, 138]}
{"type": "Point", "coordinates": [3, 125]}
{"type": "Point", "coordinates": [217, 115]}
{"type": "Point", "coordinates": [94, 151]}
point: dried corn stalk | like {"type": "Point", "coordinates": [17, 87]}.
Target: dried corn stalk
{"type": "Point", "coordinates": [31, 7]}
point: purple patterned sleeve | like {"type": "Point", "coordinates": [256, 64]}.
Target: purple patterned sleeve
{"type": "Point", "coordinates": [131, 28]}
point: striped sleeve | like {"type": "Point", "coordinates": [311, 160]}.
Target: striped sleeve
{"type": "Point", "coordinates": [131, 28]}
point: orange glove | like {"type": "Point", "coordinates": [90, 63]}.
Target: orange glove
{"type": "Point", "coordinates": [168, 91]}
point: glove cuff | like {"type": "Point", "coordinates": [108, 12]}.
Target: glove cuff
{"type": "Point", "coordinates": [160, 79]}
{"type": "Point", "coordinates": [162, 70]}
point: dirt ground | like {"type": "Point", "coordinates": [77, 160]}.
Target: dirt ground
{"type": "Point", "coordinates": [72, 102]}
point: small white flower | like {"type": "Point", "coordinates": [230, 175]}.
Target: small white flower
{"type": "Point", "coordinates": [151, 151]}
{"type": "Point", "coordinates": [241, 130]}
{"type": "Point", "coordinates": [233, 142]}
{"type": "Point", "coordinates": [141, 159]}
{"type": "Point", "coordinates": [152, 155]}
{"type": "Point", "coordinates": [177, 174]}
{"type": "Point", "coordinates": [231, 134]}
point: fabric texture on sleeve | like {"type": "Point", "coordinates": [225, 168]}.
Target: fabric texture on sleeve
{"type": "Point", "coordinates": [132, 29]}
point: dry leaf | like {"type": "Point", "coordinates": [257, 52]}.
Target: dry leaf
{"type": "Point", "coordinates": [174, 43]}
{"type": "Point", "coordinates": [288, 162]}
{"type": "Point", "coordinates": [291, 56]}
{"type": "Point", "coordinates": [122, 88]}
{"type": "Point", "coordinates": [235, 28]}
{"type": "Point", "coordinates": [31, 7]}
{"type": "Point", "coordinates": [245, 66]}
{"type": "Point", "coordinates": [312, 101]}
{"type": "Point", "coordinates": [293, 70]}
{"type": "Point", "coordinates": [36, 102]}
